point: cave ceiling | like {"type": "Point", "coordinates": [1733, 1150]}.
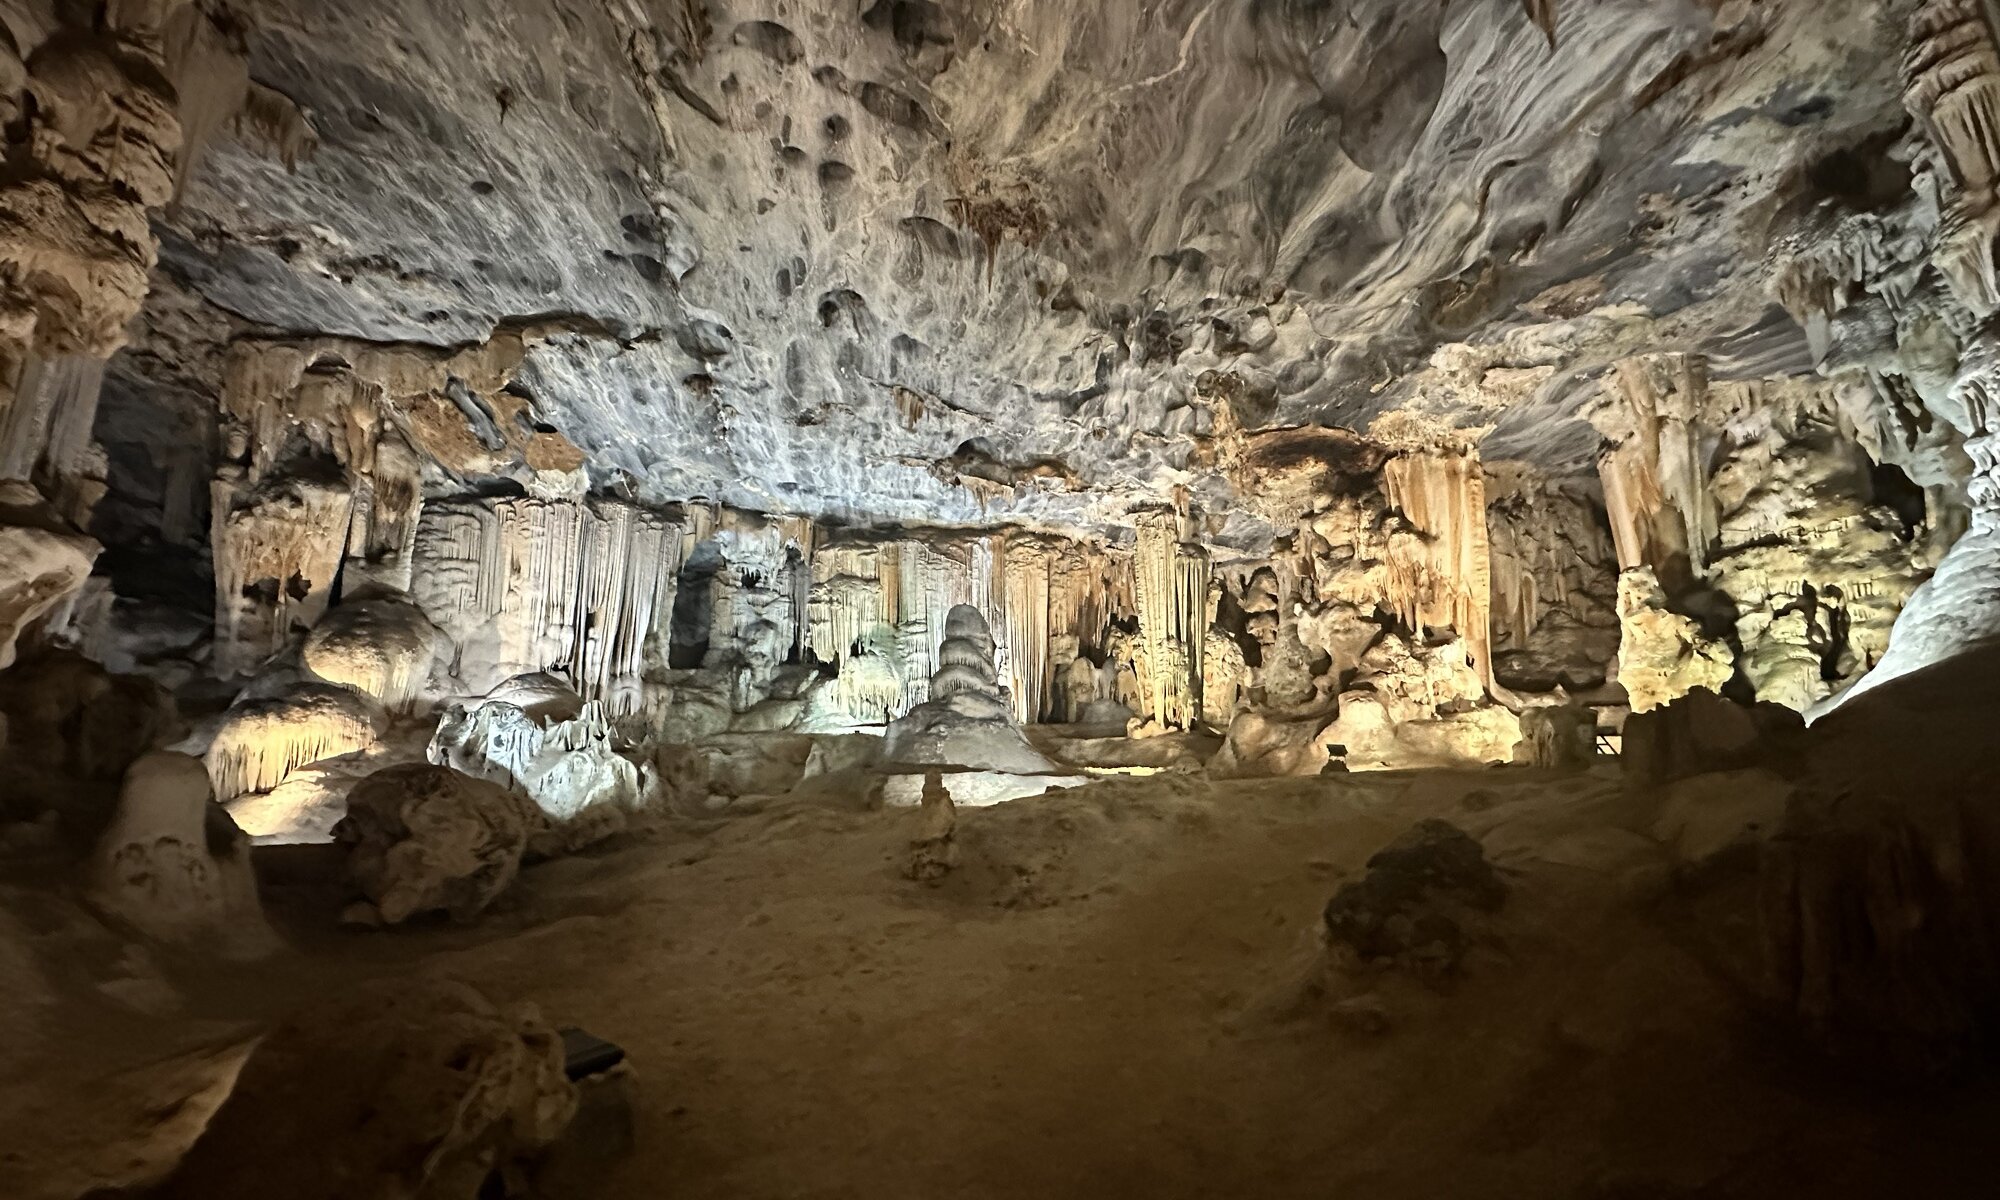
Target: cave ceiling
{"type": "Point", "coordinates": [867, 260]}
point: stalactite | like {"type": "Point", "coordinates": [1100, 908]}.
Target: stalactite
{"type": "Point", "coordinates": [1546, 550]}
{"type": "Point", "coordinates": [45, 434]}
{"type": "Point", "coordinates": [277, 549]}
{"type": "Point", "coordinates": [1655, 477]}
{"type": "Point", "coordinates": [1952, 68]}
{"type": "Point", "coordinates": [1026, 619]}
{"type": "Point", "coordinates": [261, 742]}
{"type": "Point", "coordinates": [384, 536]}
{"type": "Point", "coordinates": [1447, 580]}
{"type": "Point", "coordinates": [884, 601]}
{"type": "Point", "coordinates": [90, 161]}
{"type": "Point", "coordinates": [1171, 582]}
{"type": "Point", "coordinates": [211, 73]}
{"type": "Point", "coordinates": [581, 588]}
{"type": "Point", "coordinates": [1543, 14]}
{"type": "Point", "coordinates": [846, 606]}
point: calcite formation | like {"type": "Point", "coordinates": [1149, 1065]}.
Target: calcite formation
{"type": "Point", "coordinates": [383, 648]}
{"type": "Point", "coordinates": [262, 740]}
{"type": "Point", "coordinates": [1663, 654]}
{"type": "Point", "coordinates": [787, 336]}
{"type": "Point", "coordinates": [43, 563]}
{"type": "Point", "coordinates": [967, 722]}
{"type": "Point", "coordinates": [175, 868]}
{"type": "Point", "coordinates": [572, 769]}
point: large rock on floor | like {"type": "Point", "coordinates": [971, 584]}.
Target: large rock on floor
{"type": "Point", "coordinates": [424, 839]}
{"type": "Point", "coordinates": [1411, 908]}
{"type": "Point", "coordinates": [1702, 732]}
{"type": "Point", "coordinates": [401, 1092]}
{"type": "Point", "coordinates": [1259, 744]}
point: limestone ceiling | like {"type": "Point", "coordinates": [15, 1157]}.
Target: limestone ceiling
{"type": "Point", "coordinates": [842, 256]}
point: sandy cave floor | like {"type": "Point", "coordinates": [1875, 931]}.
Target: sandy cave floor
{"type": "Point", "coordinates": [1100, 1002]}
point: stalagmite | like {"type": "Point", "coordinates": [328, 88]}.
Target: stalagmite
{"type": "Point", "coordinates": [175, 868]}
{"type": "Point", "coordinates": [262, 741]}
{"type": "Point", "coordinates": [966, 724]}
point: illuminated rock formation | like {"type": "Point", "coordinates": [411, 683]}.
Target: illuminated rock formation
{"type": "Point", "coordinates": [967, 725]}
{"type": "Point", "coordinates": [1443, 578]}
{"type": "Point", "coordinates": [582, 588]}
{"type": "Point", "coordinates": [571, 769]}
{"type": "Point", "coordinates": [277, 551]}
{"type": "Point", "coordinates": [95, 158]}
{"type": "Point", "coordinates": [1663, 654]}
{"type": "Point", "coordinates": [1414, 705]}
{"type": "Point", "coordinates": [42, 564]}
{"type": "Point", "coordinates": [382, 647]}
{"type": "Point", "coordinates": [1171, 589]}
{"type": "Point", "coordinates": [1655, 475]}
{"type": "Point", "coordinates": [262, 740]}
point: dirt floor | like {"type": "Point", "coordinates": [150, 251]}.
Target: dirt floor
{"type": "Point", "coordinates": [1106, 999]}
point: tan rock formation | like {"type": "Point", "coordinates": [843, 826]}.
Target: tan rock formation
{"type": "Point", "coordinates": [1663, 654]}
{"type": "Point", "coordinates": [174, 868]}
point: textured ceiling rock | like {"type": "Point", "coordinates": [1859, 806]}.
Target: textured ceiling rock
{"type": "Point", "coordinates": [840, 259]}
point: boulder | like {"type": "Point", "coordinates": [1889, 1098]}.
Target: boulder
{"type": "Point", "coordinates": [1412, 907]}
{"type": "Point", "coordinates": [423, 839]}
{"type": "Point", "coordinates": [401, 1091]}
{"type": "Point", "coordinates": [1558, 736]}
{"type": "Point", "coordinates": [1262, 745]}
{"type": "Point", "coordinates": [1702, 732]}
